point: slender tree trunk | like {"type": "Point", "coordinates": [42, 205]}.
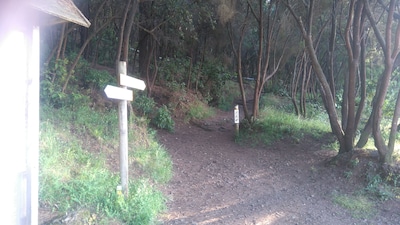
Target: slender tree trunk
{"type": "Point", "coordinates": [144, 36]}
{"type": "Point", "coordinates": [59, 48]}
{"type": "Point", "coordinates": [265, 70]}
{"type": "Point", "coordinates": [92, 35]}
{"type": "Point", "coordinates": [121, 37]}
{"type": "Point", "coordinates": [393, 131]}
{"type": "Point", "coordinates": [325, 88]}
{"type": "Point", "coordinates": [353, 41]}
{"type": "Point", "coordinates": [332, 41]}
{"type": "Point", "coordinates": [295, 84]}
{"type": "Point", "coordinates": [127, 34]}
{"type": "Point", "coordinates": [363, 85]}
{"type": "Point", "coordinates": [238, 56]}
{"type": "Point", "coordinates": [391, 49]}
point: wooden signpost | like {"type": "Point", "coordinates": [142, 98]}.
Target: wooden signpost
{"type": "Point", "coordinates": [124, 95]}
{"type": "Point", "coordinates": [236, 118]}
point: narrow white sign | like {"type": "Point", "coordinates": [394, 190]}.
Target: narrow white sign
{"type": "Point", "coordinates": [118, 93]}
{"type": "Point", "coordinates": [236, 114]}
{"type": "Point", "coordinates": [131, 82]}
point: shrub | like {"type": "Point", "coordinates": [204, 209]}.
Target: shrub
{"type": "Point", "coordinates": [198, 110]}
{"type": "Point", "coordinates": [163, 119]}
{"type": "Point", "coordinates": [96, 79]}
{"type": "Point", "coordinates": [144, 105]}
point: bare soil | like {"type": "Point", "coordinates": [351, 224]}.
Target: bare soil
{"type": "Point", "coordinates": [219, 181]}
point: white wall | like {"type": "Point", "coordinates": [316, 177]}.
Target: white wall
{"type": "Point", "coordinates": [19, 125]}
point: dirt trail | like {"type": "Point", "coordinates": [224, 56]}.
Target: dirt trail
{"type": "Point", "coordinates": [217, 181]}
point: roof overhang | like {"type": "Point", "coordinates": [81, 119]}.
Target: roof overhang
{"type": "Point", "coordinates": [20, 13]}
{"type": "Point", "coordinates": [58, 11]}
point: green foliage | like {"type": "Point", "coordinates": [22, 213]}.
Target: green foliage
{"type": "Point", "coordinates": [97, 79]}
{"type": "Point", "coordinates": [159, 117]}
{"type": "Point", "coordinates": [278, 88]}
{"type": "Point", "coordinates": [85, 121]}
{"type": "Point", "coordinates": [142, 205]}
{"type": "Point", "coordinates": [73, 170]}
{"type": "Point", "coordinates": [230, 91]}
{"type": "Point", "coordinates": [376, 185]}
{"type": "Point", "coordinates": [276, 122]}
{"type": "Point", "coordinates": [144, 105]}
{"type": "Point", "coordinates": [50, 85]}
{"type": "Point", "coordinates": [209, 78]}
{"type": "Point", "coordinates": [50, 93]}
{"type": "Point", "coordinates": [85, 79]}
{"type": "Point", "coordinates": [198, 110]}
{"type": "Point", "coordinates": [214, 77]}
{"type": "Point", "coordinates": [163, 119]}
{"type": "Point", "coordinates": [174, 70]}
{"type": "Point", "coordinates": [359, 206]}
{"type": "Point", "coordinates": [155, 160]}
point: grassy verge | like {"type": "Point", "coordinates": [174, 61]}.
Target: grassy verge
{"type": "Point", "coordinates": [359, 206]}
{"type": "Point", "coordinates": [75, 149]}
{"type": "Point", "coordinates": [276, 121]}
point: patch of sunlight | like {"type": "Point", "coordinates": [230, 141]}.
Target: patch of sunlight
{"type": "Point", "coordinates": [220, 207]}
{"type": "Point", "coordinates": [270, 219]}
{"type": "Point", "coordinates": [212, 220]}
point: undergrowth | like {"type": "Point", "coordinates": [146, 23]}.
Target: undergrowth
{"type": "Point", "coordinates": [276, 122]}
{"type": "Point", "coordinates": [75, 150]}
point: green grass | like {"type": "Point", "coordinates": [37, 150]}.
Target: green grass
{"type": "Point", "coordinates": [359, 206]}
{"type": "Point", "coordinates": [74, 146]}
{"type": "Point", "coordinates": [199, 110]}
{"type": "Point", "coordinates": [274, 124]}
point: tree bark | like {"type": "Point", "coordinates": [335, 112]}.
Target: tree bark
{"type": "Point", "coordinates": [238, 56]}
{"type": "Point", "coordinates": [353, 43]}
{"type": "Point", "coordinates": [325, 88]}
{"type": "Point", "coordinates": [391, 49]}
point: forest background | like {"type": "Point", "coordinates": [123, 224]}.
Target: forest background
{"type": "Point", "coordinates": [340, 57]}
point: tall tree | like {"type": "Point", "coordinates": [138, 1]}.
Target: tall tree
{"type": "Point", "coordinates": [237, 50]}
{"type": "Point", "coordinates": [390, 44]}
{"type": "Point", "coordinates": [269, 56]}
{"type": "Point", "coordinates": [353, 38]}
{"type": "Point", "coordinates": [270, 48]}
{"type": "Point", "coordinates": [306, 30]}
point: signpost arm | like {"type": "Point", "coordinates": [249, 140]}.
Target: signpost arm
{"type": "Point", "coordinates": [123, 134]}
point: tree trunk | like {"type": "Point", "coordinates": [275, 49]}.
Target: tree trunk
{"type": "Point", "coordinates": [265, 70]}
{"type": "Point", "coordinates": [295, 83]}
{"type": "Point", "coordinates": [92, 35]}
{"type": "Point", "coordinates": [121, 38]}
{"type": "Point", "coordinates": [325, 88]}
{"type": "Point", "coordinates": [238, 56]}
{"type": "Point", "coordinates": [363, 84]}
{"type": "Point", "coordinates": [391, 49]}
{"type": "Point", "coordinates": [353, 41]}
{"type": "Point", "coordinates": [144, 45]}
{"type": "Point", "coordinates": [331, 55]}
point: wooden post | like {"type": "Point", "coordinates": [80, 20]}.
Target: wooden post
{"type": "Point", "coordinates": [236, 118]}
{"type": "Point", "coordinates": [123, 134]}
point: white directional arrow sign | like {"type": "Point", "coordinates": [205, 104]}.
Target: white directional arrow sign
{"type": "Point", "coordinates": [118, 93]}
{"type": "Point", "coordinates": [131, 82]}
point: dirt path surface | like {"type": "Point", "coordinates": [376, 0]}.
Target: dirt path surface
{"type": "Point", "coordinates": [217, 181]}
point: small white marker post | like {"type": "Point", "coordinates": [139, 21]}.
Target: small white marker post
{"type": "Point", "coordinates": [236, 118]}
{"type": "Point", "coordinates": [124, 95]}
